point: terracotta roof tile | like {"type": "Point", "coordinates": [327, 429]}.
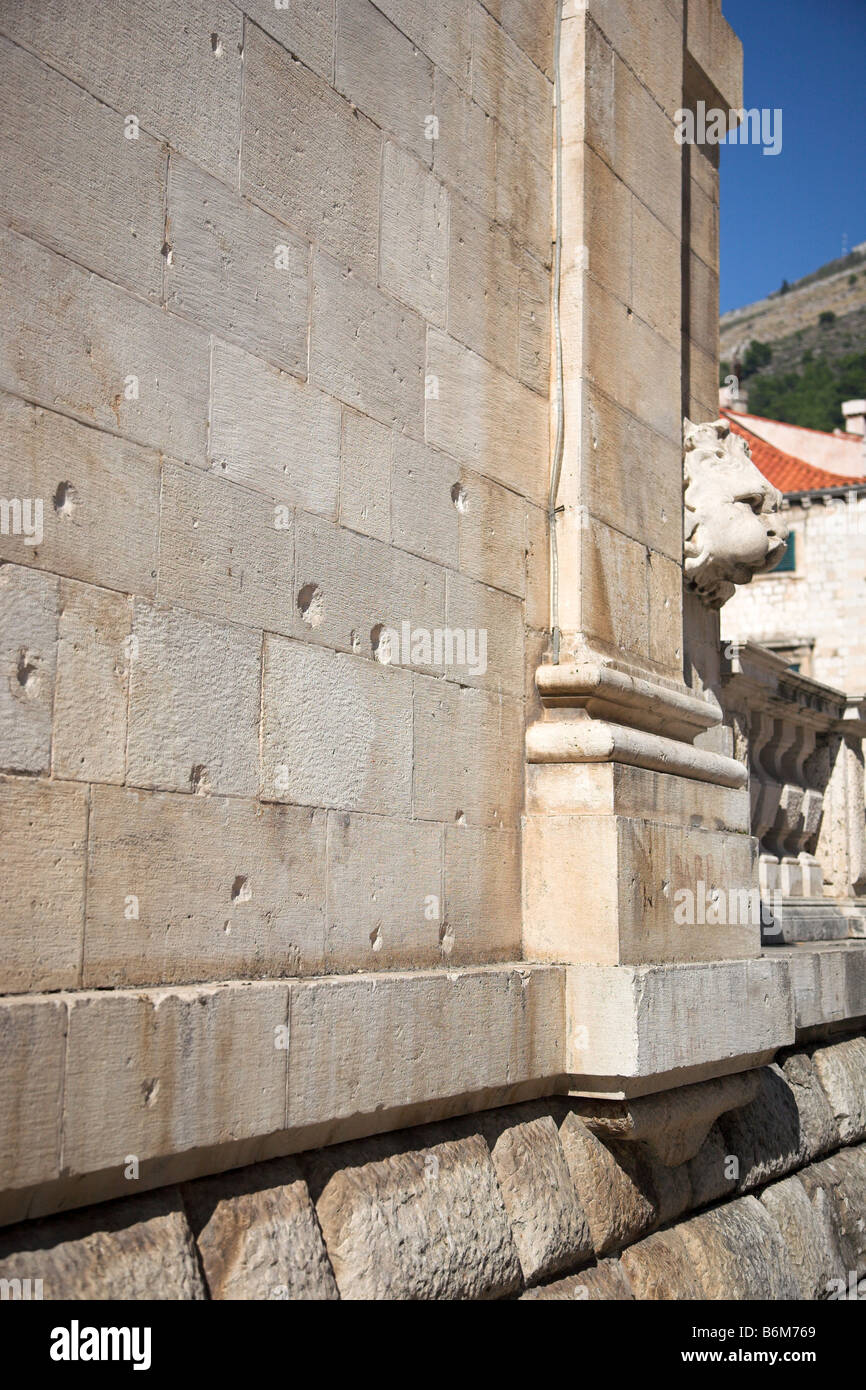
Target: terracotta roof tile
{"type": "Point", "coordinates": [785, 472]}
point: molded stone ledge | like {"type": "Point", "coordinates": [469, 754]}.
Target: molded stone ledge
{"type": "Point", "coordinates": [584, 740]}
{"type": "Point", "coordinates": [632, 1030]}
{"type": "Point", "coordinates": [605, 692]}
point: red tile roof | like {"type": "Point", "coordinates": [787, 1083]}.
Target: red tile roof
{"type": "Point", "coordinates": [785, 472]}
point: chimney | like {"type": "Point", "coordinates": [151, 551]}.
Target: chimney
{"type": "Point", "coordinates": [855, 417]}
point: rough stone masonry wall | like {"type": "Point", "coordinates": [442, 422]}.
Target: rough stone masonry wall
{"type": "Point", "coordinates": [277, 369]}
{"type": "Point", "coordinates": [534, 1200]}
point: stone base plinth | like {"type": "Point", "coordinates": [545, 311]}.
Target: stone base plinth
{"type": "Point", "coordinates": [626, 865]}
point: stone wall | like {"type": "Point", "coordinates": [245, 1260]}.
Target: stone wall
{"type": "Point", "coordinates": [276, 394]}
{"type": "Point", "coordinates": [277, 370]}
{"type": "Point", "coordinates": [552, 1200]}
{"type": "Point", "coordinates": [820, 602]}
{"type": "Point", "coordinates": [276, 299]}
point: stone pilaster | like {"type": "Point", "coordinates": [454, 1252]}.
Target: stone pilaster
{"type": "Point", "coordinates": [637, 829]}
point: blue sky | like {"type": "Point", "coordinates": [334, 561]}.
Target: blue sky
{"type": "Point", "coordinates": [783, 216]}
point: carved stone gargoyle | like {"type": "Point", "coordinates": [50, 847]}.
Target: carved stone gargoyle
{"type": "Point", "coordinates": [733, 525]}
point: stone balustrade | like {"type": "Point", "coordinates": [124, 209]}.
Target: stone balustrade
{"type": "Point", "coordinates": [802, 742]}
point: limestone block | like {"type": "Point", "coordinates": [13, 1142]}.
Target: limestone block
{"type": "Point", "coordinates": [193, 703]}
{"type": "Point", "coordinates": [524, 202]}
{"type": "Point", "coordinates": [530, 23]}
{"type": "Point", "coordinates": [309, 157]}
{"type": "Point", "coordinates": [703, 387]}
{"type": "Point", "coordinates": [365, 477]}
{"type": "Point", "coordinates": [650, 42]}
{"type": "Point", "coordinates": [366, 349]}
{"type": "Point", "coordinates": [136, 1248]}
{"type": "Point", "coordinates": [362, 1046]}
{"type": "Point", "coordinates": [424, 515]}
{"type": "Point", "coordinates": [646, 155]}
{"type": "Point", "coordinates": [485, 419]}
{"type": "Point", "coordinates": [225, 551]}
{"type": "Point", "coordinates": [44, 828]}
{"type": "Point", "coordinates": [33, 1041]}
{"type": "Point", "coordinates": [28, 655]}
{"type": "Point", "coordinates": [508, 84]}
{"type": "Point", "coordinates": [182, 80]}
{"type": "Point", "coordinates": [384, 893]}
{"type": "Point", "coordinates": [482, 919]}
{"type": "Point", "coordinates": [817, 1124]}
{"type": "Point", "coordinates": [646, 507]}
{"type": "Point", "coordinates": [336, 730]}
{"type": "Point", "coordinates": [605, 1281]}
{"type": "Point", "coordinates": [533, 347]}
{"type": "Point", "coordinates": [841, 1072]}
{"type": "Point", "coordinates": [812, 1247]}
{"type": "Point", "coordinates": [483, 287]}
{"type": "Point", "coordinates": [619, 350]}
{"type": "Point", "coordinates": [837, 1190]}
{"type": "Point", "coordinates": [737, 1252]}
{"type": "Point", "coordinates": [548, 1225]}
{"type": "Point", "coordinates": [654, 249]}
{"type": "Point", "coordinates": [105, 206]}
{"type": "Point", "coordinates": [603, 216]}
{"type": "Point", "coordinates": [493, 527]}
{"type": "Point", "coordinates": [765, 1135]}
{"type": "Point", "coordinates": [537, 574]}
{"type": "Point", "coordinates": [427, 1224]}
{"type": "Point", "coordinates": [80, 345]}
{"type": "Point", "coordinates": [442, 31]}
{"type": "Point", "coordinates": [663, 798]}
{"type": "Point", "coordinates": [468, 755]}
{"type": "Point", "coordinates": [711, 1173]}
{"type": "Point", "coordinates": [703, 305]}
{"type": "Point", "coordinates": [704, 214]}
{"type": "Point", "coordinates": [350, 590]}
{"type": "Point", "coordinates": [413, 256]}
{"type": "Point", "coordinates": [672, 1186]}
{"type": "Point", "coordinates": [716, 49]}
{"type": "Point", "coordinates": [496, 619]}
{"type": "Point", "coordinates": [854, 962]}
{"type": "Point", "coordinates": [602, 857]}
{"type": "Point", "coordinates": [183, 889]}
{"type": "Point", "coordinates": [384, 74]}
{"type": "Point", "coordinates": [99, 499]}
{"type": "Point", "coordinates": [163, 1072]}
{"type": "Point", "coordinates": [257, 1235]}
{"type": "Point", "coordinates": [660, 1268]}
{"type": "Point", "coordinates": [826, 982]}
{"type": "Point", "coordinates": [664, 582]}
{"type": "Point", "coordinates": [235, 269]}
{"type": "Point", "coordinates": [615, 595]}
{"type": "Point", "coordinates": [629, 1021]}
{"type": "Point", "coordinates": [613, 1183]}
{"type": "Point", "coordinates": [306, 30]}
{"type": "Point", "coordinates": [464, 155]}
{"type": "Point", "coordinates": [91, 693]}
{"type": "Point", "coordinates": [274, 434]}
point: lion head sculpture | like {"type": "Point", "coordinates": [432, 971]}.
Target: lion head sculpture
{"type": "Point", "coordinates": [733, 527]}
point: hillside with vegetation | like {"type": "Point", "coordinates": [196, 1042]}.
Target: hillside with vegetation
{"type": "Point", "coordinates": [802, 351]}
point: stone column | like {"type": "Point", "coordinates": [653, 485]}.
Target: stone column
{"type": "Point", "coordinates": [637, 828]}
